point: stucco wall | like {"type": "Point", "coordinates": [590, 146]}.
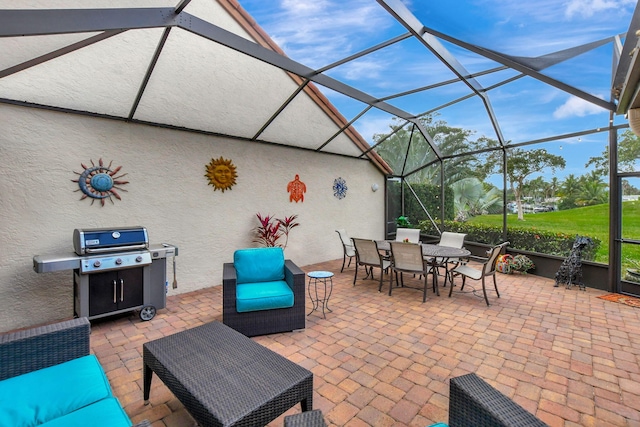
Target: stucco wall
{"type": "Point", "coordinates": [167, 193]}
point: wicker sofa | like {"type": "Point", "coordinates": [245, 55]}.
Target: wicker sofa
{"type": "Point", "coordinates": [473, 402]}
{"type": "Point", "coordinates": [49, 378]}
{"type": "Point", "coordinates": [262, 293]}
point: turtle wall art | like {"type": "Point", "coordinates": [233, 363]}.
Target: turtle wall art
{"type": "Point", "coordinates": [296, 190]}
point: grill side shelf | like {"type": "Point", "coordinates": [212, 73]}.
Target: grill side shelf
{"type": "Point", "coordinates": [50, 263]}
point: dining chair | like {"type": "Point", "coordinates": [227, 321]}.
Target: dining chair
{"type": "Point", "coordinates": [407, 258]}
{"type": "Point", "coordinates": [369, 256]}
{"type": "Point", "coordinates": [347, 247]}
{"type": "Point", "coordinates": [487, 268]}
{"type": "Point", "coordinates": [452, 240]}
{"type": "Point", "coordinates": [413, 234]}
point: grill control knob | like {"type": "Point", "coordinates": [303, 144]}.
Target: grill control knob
{"type": "Point", "coordinates": [139, 258]}
{"type": "Point", "coordinates": [118, 261]}
{"type": "Point", "coordinates": [97, 263]}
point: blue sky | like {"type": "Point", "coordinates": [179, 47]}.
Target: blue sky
{"type": "Point", "coordinates": [319, 32]}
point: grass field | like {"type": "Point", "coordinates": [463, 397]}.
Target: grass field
{"type": "Point", "coordinates": [591, 221]}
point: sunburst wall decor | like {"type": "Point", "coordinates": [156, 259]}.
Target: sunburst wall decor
{"type": "Point", "coordinates": [221, 173]}
{"type": "Point", "coordinates": [100, 182]}
{"type": "Point", "coordinates": [340, 188]}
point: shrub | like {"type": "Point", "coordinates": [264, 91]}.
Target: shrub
{"type": "Point", "coordinates": [532, 240]}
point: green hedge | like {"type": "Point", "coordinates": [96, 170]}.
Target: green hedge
{"type": "Point", "coordinates": [532, 240]}
{"type": "Point", "coordinates": [430, 197]}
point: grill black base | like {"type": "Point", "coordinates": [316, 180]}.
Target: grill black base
{"type": "Point", "coordinates": [119, 291]}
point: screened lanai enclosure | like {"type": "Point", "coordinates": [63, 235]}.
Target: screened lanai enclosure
{"type": "Point", "coordinates": [505, 122]}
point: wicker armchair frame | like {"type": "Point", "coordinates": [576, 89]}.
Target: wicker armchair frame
{"type": "Point", "coordinates": [473, 402]}
{"type": "Point", "coordinates": [264, 322]}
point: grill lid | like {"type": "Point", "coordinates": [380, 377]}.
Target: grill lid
{"type": "Point", "coordinates": [101, 240]}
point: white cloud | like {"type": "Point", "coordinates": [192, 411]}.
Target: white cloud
{"type": "Point", "coordinates": [369, 126]}
{"type": "Point", "coordinates": [362, 69]}
{"type": "Point", "coordinates": [304, 7]}
{"type": "Point", "coordinates": [576, 107]}
{"type": "Point", "coordinates": [588, 8]}
{"type": "Point", "coordinates": [317, 32]}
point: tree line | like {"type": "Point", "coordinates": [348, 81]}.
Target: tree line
{"type": "Point", "coordinates": [410, 155]}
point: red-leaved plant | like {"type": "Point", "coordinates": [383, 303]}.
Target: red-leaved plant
{"type": "Point", "coordinates": [271, 229]}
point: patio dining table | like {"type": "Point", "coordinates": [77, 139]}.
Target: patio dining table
{"type": "Point", "coordinates": [435, 254]}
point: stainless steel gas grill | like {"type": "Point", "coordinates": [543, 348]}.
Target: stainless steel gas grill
{"type": "Point", "coordinates": [115, 270]}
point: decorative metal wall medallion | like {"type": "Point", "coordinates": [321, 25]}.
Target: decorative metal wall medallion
{"type": "Point", "coordinates": [100, 182]}
{"type": "Point", "coordinates": [296, 189]}
{"type": "Point", "coordinates": [221, 173]}
{"type": "Point", "coordinates": [340, 188]}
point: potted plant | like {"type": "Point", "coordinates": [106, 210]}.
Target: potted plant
{"type": "Point", "coordinates": [508, 264]}
{"type": "Point", "coordinates": [271, 229]}
{"type": "Point", "coordinates": [403, 222]}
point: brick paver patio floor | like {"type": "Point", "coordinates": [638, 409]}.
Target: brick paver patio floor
{"type": "Point", "coordinates": [565, 355]}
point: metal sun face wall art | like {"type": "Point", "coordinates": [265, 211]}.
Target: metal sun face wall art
{"type": "Point", "coordinates": [100, 182]}
{"type": "Point", "coordinates": [221, 174]}
{"type": "Point", "coordinates": [296, 190]}
{"type": "Point", "coordinates": [340, 188]}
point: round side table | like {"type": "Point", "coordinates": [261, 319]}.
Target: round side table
{"type": "Point", "coordinates": [325, 278]}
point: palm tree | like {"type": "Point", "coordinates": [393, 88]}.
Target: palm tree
{"type": "Point", "coordinates": [552, 187]}
{"type": "Point", "coordinates": [569, 191]}
{"type": "Point", "coordinates": [472, 198]}
{"type": "Point", "coordinates": [593, 190]}
{"type": "Point", "coordinates": [593, 193]}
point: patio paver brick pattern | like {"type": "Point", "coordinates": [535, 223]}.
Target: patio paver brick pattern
{"type": "Point", "coordinates": [570, 358]}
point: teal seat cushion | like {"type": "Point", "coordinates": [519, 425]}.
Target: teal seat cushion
{"type": "Point", "coordinates": [43, 395]}
{"type": "Point", "coordinates": [263, 296]}
{"type": "Point", "coordinates": [439, 425]}
{"type": "Point", "coordinates": [105, 413]}
{"type": "Point", "coordinates": [259, 265]}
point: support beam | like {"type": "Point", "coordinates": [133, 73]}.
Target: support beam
{"type": "Point", "coordinates": [402, 14]}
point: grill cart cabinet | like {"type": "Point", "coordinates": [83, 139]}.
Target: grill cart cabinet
{"type": "Point", "coordinates": [117, 291]}
{"type": "Point", "coordinates": [114, 290]}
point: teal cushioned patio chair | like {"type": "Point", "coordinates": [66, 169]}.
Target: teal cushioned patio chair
{"type": "Point", "coordinates": [262, 293]}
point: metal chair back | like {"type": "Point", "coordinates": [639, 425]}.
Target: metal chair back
{"type": "Point", "coordinates": [490, 265]}
{"type": "Point", "coordinates": [366, 252]}
{"type": "Point", "coordinates": [347, 244]}
{"type": "Point", "coordinates": [452, 240]}
{"type": "Point", "coordinates": [407, 257]}
{"type": "Point", "coordinates": [368, 255]}
{"type": "Point", "coordinates": [413, 234]}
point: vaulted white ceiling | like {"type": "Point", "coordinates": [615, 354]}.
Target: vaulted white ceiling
{"type": "Point", "coordinates": [205, 66]}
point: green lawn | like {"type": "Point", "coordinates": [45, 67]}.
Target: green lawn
{"type": "Point", "coordinates": [591, 221]}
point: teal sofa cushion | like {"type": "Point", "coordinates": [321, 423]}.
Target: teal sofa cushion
{"type": "Point", "coordinates": [105, 413]}
{"type": "Point", "coordinates": [259, 265]}
{"type": "Point", "coordinates": [46, 394]}
{"type": "Point", "coordinates": [263, 296]}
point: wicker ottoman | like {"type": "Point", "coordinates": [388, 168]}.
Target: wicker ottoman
{"type": "Point", "coordinates": [224, 378]}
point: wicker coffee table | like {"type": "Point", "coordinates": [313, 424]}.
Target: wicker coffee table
{"type": "Point", "coordinates": [224, 378]}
